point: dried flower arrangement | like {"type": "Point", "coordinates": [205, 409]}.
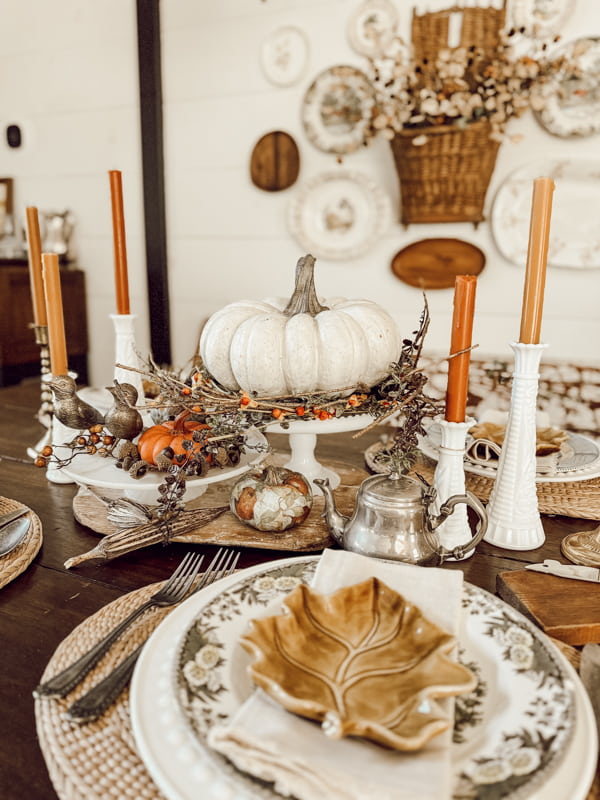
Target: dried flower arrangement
{"type": "Point", "coordinates": [221, 420]}
{"type": "Point", "coordinates": [461, 85]}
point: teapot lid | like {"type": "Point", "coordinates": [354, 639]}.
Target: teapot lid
{"type": "Point", "coordinates": [392, 490]}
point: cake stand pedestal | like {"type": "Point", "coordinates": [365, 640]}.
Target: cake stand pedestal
{"type": "Point", "coordinates": [303, 441]}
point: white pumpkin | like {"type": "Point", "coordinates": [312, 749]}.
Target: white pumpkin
{"type": "Point", "coordinates": [277, 348]}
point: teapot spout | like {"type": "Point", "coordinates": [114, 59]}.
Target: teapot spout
{"type": "Point", "coordinates": [336, 522]}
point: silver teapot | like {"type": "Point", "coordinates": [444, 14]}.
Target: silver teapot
{"type": "Point", "coordinates": [393, 520]}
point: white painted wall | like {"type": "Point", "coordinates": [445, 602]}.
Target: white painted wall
{"type": "Point", "coordinates": [229, 240]}
{"type": "Point", "coordinates": [69, 77]}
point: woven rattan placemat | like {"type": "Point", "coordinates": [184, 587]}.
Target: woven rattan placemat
{"type": "Point", "coordinates": [99, 760]}
{"type": "Point", "coordinates": [16, 562]}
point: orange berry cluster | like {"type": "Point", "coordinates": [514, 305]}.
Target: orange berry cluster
{"type": "Point", "coordinates": [92, 442]}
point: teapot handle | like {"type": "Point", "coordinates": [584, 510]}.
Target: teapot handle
{"type": "Point", "coordinates": [446, 509]}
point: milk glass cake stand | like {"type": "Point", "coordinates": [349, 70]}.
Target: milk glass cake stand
{"type": "Point", "coordinates": [303, 441]}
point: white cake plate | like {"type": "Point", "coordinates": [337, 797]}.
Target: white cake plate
{"type": "Point", "coordinates": [303, 441]}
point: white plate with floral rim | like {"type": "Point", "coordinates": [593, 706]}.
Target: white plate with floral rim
{"type": "Point", "coordinates": [540, 18]}
{"type": "Point", "coordinates": [283, 55]}
{"type": "Point", "coordinates": [372, 26]}
{"type": "Point", "coordinates": [575, 235]}
{"type": "Point", "coordinates": [339, 214]}
{"type": "Point", "coordinates": [579, 459]}
{"type": "Point", "coordinates": [515, 734]}
{"type": "Point", "coordinates": [572, 102]}
{"type": "Point", "coordinates": [337, 109]}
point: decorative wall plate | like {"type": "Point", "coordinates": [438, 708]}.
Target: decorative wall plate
{"type": "Point", "coordinates": [572, 103]}
{"type": "Point", "coordinates": [372, 26]}
{"type": "Point", "coordinates": [275, 162]}
{"type": "Point", "coordinates": [339, 214]}
{"type": "Point", "coordinates": [337, 109]}
{"type": "Point", "coordinates": [283, 56]}
{"type": "Point", "coordinates": [435, 263]}
{"type": "Point", "coordinates": [512, 735]}
{"type": "Point", "coordinates": [574, 234]}
{"type": "Point", "coordinates": [540, 18]}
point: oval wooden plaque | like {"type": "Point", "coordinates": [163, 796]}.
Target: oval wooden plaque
{"type": "Point", "coordinates": [275, 162]}
{"type": "Point", "coordinates": [435, 263]}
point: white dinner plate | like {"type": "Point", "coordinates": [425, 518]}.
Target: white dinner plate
{"type": "Point", "coordinates": [580, 463]}
{"type": "Point", "coordinates": [185, 769]}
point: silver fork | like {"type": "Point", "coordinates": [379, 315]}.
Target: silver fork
{"type": "Point", "coordinates": [100, 697]}
{"type": "Point", "coordinates": [172, 592]}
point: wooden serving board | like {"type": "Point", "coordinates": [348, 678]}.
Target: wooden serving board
{"type": "Point", "coordinates": [435, 263]}
{"type": "Point", "coordinates": [312, 536]}
{"type": "Point", "coordinates": [565, 609]}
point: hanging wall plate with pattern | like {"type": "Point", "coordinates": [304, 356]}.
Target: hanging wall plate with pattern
{"type": "Point", "coordinates": [284, 55]}
{"type": "Point", "coordinates": [337, 109]}
{"type": "Point", "coordinates": [372, 26]}
{"type": "Point", "coordinates": [339, 215]}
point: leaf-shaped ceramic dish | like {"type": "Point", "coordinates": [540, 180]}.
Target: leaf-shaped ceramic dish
{"type": "Point", "coordinates": [363, 661]}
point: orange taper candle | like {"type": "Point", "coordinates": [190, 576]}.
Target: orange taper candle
{"type": "Point", "coordinates": [118, 220]}
{"type": "Point", "coordinates": [54, 310]}
{"type": "Point", "coordinates": [537, 257]}
{"type": "Point", "coordinates": [34, 245]}
{"type": "Point", "coordinates": [462, 332]}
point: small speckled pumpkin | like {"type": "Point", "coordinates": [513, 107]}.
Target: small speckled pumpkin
{"type": "Point", "coordinates": [272, 500]}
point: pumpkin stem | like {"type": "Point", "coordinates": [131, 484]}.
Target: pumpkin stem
{"type": "Point", "coordinates": [273, 476]}
{"type": "Point", "coordinates": [180, 419]}
{"type": "Point", "coordinates": [304, 299]}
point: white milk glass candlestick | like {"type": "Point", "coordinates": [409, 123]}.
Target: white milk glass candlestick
{"type": "Point", "coordinates": [513, 516]}
{"type": "Point", "coordinates": [126, 353]}
{"type": "Point", "coordinates": [59, 435]}
{"type": "Point", "coordinates": [449, 479]}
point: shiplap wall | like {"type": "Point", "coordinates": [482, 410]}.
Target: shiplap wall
{"type": "Point", "coordinates": [69, 77]}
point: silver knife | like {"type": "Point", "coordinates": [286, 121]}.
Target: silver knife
{"type": "Point", "coordinates": [11, 515]}
{"type": "Point", "coordinates": [591, 574]}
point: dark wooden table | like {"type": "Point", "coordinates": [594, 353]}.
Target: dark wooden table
{"type": "Point", "coordinates": [40, 607]}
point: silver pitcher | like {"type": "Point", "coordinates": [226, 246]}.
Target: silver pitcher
{"type": "Point", "coordinates": [392, 520]}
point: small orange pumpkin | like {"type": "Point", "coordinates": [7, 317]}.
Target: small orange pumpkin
{"type": "Point", "coordinates": [172, 433]}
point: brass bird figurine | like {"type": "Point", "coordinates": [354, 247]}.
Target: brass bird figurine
{"type": "Point", "coordinates": [69, 408]}
{"type": "Point", "coordinates": [123, 421]}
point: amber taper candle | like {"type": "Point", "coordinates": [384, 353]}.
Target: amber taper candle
{"type": "Point", "coordinates": [462, 332]}
{"type": "Point", "coordinates": [120, 248]}
{"type": "Point", "coordinates": [34, 248]}
{"type": "Point", "coordinates": [537, 258]}
{"type": "Point", "coordinates": [54, 310]}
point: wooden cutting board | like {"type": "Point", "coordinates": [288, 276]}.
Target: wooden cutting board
{"type": "Point", "coordinates": [435, 263]}
{"type": "Point", "coordinates": [565, 609]}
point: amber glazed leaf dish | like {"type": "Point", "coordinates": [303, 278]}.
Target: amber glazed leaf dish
{"type": "Point", "coordinates": [363, 661]}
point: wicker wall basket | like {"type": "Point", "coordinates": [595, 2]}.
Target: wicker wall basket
{"type": "Point", "coordinates": [446, 179]}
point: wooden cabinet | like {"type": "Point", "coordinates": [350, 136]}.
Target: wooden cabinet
{"type": "Point", "coordinates": [19, 354]}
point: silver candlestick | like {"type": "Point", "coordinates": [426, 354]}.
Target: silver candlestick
{"type": "Point", "coordinates": [46, 408]}
{"type": "Point", "coordinates": [513, 516]}
{"type": "Point", "coordinates": [449, 479]}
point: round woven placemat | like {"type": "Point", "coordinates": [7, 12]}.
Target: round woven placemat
{"type": "Point", "coordinates": [97, 760]}
{"type": "Point", "coordinates": [16, 562]}
{"type": "Point", "coordinates": [579, 499]}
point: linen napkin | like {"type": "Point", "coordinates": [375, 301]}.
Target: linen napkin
{"type": "Point", "coordinates": [268, 742]}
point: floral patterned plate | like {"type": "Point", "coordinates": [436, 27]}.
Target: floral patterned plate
{"type": "Point", "coordinates": [337, 109]}
{"type": "Point", "coordinates": [510, 735]}
{"type": "Point", "coordinates": [574, 237]}
{"type": "Point", "coordinates": [339, 214]}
